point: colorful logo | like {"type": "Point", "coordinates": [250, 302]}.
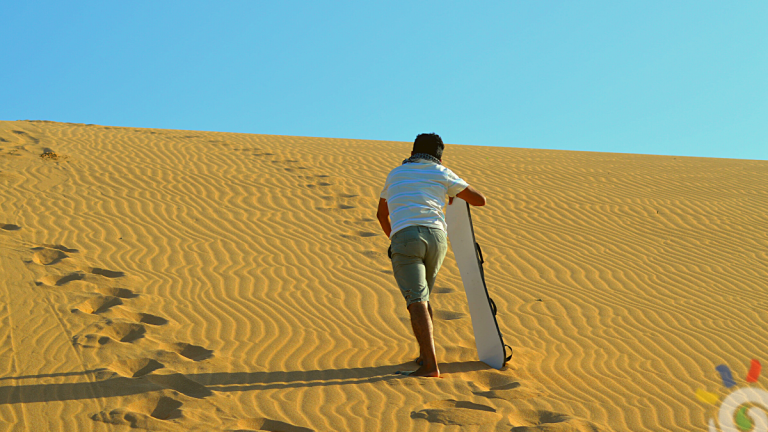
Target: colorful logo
{"type": "Point", "coordinates": [742, 410]}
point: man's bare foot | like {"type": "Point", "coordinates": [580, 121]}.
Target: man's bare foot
{"type": "Point", "coordinates": [423, 371]}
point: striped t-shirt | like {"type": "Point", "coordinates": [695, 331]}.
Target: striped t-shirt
{"type": "Point", "coordinates": [415, 194]}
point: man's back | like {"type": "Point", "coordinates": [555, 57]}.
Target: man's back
{"type": "Point", "coordinates": [415, 194]}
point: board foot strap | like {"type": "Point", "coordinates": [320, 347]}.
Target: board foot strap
{"type": "Point", "coordinates": [509, 357]}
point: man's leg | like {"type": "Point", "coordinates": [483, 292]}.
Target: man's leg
{"type": "Point", "coordinates": [433, 260]}
{"type": "Point", "coordinates": [409, 249]}
{"type": "Point", "coordinates": [422, 329]}
{"type": "Point", "coordinates": [420, 360]}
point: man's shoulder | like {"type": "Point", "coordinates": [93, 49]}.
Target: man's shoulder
{"type": "Point", "coordinates": [422, 167]}
{"type": "Point", "coordinates": [445, 171]}
{"type": "Point", "coordinates": [431, 170]}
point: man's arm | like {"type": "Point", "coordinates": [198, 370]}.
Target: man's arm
{"type": "Point", "coordinates": [383, 215]}
{"type": "Point", "coordinates": [470, 195]}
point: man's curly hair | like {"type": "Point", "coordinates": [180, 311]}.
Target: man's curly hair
{"type": "Point", "coordinates": [429, 143]}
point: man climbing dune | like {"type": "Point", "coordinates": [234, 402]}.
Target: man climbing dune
{"type": "Point", "coordinates": [411, 215]}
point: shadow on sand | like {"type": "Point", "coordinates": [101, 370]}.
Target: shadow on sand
{"type": "Point", "coordinates": [213, 382]}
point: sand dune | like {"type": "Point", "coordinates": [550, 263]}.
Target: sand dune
{"type": "Point", "coordinates": [180, 280]}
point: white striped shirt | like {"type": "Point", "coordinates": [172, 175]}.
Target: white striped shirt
{"type": "Point", "coordinates": [415, 194]}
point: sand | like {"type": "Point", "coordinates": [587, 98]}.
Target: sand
{"type": "Point", "coordinates": [180, 280]}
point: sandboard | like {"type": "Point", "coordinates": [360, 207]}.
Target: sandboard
{"type": "Point", "coordinates": [482, 309]}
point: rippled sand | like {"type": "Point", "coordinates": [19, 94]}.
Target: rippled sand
{"type": "Point", "coordinates": [181, 280]}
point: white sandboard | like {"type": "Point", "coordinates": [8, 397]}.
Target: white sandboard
{"type": "Point", "coordinates": [490, 345]}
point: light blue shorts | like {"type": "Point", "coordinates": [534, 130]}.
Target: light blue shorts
{"type": "Point", "coordinates": [417, 253]}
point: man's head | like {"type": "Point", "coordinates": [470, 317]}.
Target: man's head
{"type": "Point", "coordinates": [430, 143]}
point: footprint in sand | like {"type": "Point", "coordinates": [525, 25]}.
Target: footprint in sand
{"type": "Point", "coordinates": [123, 293]}
{"type": "Point", "coordinates": [10, 227]}
{"type": "Point", "coordinates": [59, 280]}
{"type": "Point", "coordinates": [362, 237]}
{"type": "Point", "coordinates": [265, 424]}
{"type": "Point", "coordinates": [46, 256]}
{"type": "Point", "coordinates": [60, 248]}
{"type": "Point", "coordinates": [90, 340]}
{"type": "Point", "coordinates": [103, 332]}
{"type": "Point", "coordinates": [124, 331]}
{"type": "Point", "coordinates": [461, 413]}
{"type": "Point", "coordinates": [188, 351]}
{"type": "Point", "coordinates": [494, 384]}
{"type": "Point", "coordinates": [373, 254]}
{"type": "Point", "coordinates": [449, 315]}
{"type": "Point", "coordinates": [153, 371]}
{"type": "Point", "coordinates": [103, 272]}
{"type": "Point", "coordinates": [97, 304]}
{"type": "Point", "coordinates": [146, 414]}
{"type": "Point", "coordinates": [337, 206]}
{"type": "Point", "coordinates": [356, 235]}
{"type": "Point", "coordinates": [510, 391]}
{"type": "Point", "coordinates": [26, 135]}
{"type": "Point", "coordinates": [444, 290]}
{"type": "Point", "coordinates": [175, 381]}
{"type": "Point", "coordinates": [163, 409]}
{"type": "Point", "coordinates": [344, 201]}
{"type": "Point", "coordinates": [134, 368]}
{"type": "Point", "coordinates": [542, 421]}
{"type": "Point", "coordinates": [140, 317]}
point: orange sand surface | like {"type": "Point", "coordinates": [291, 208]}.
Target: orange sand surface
{"type": "Point", "coordinates": [180, 280]}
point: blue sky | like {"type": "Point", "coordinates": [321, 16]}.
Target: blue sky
{"type": "Point", "coordinates": [683, 78]}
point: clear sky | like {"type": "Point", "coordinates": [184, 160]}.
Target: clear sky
{"type": "Point", "coordinates": [659, 77]}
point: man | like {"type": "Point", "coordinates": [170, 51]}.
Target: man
{"type": "Point", "coordinates": [413, 198]}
